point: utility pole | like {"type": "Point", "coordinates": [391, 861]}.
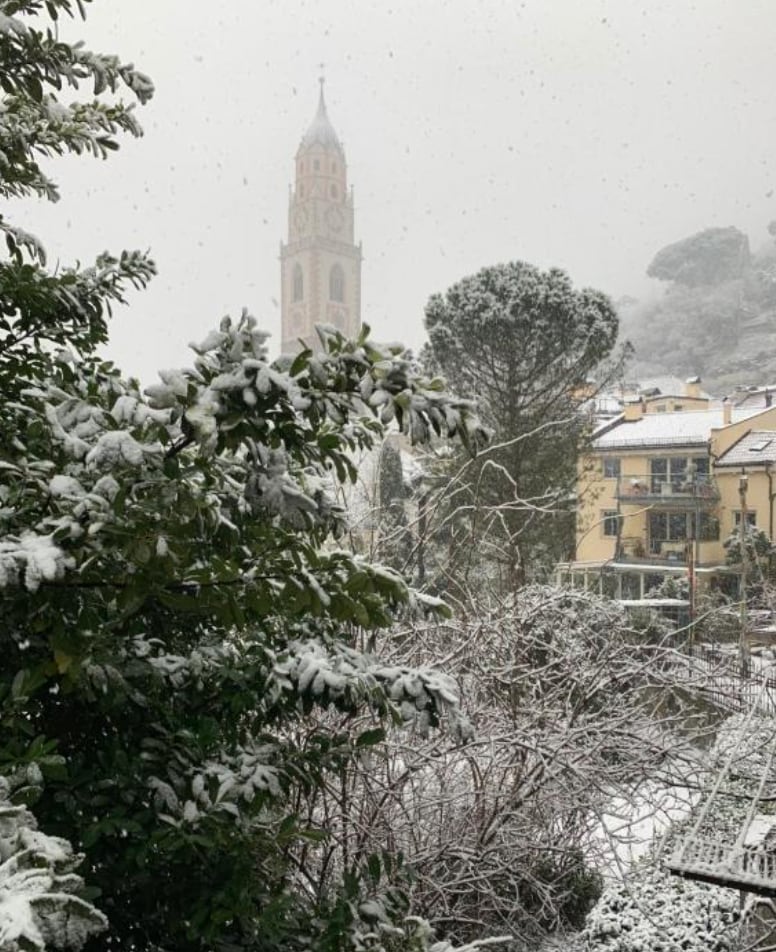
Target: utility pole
{"type": "Point", "coordinates": [743, 483]}
{"type": "Point", "coordinates": [692, 550]}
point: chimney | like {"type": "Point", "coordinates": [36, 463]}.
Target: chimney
{"type": "Point", "coordinates": [633, 409]}
{"type": "Point", "coordinates": [692, 387]}
{"type": "Point", "coordinates": [727, 412]}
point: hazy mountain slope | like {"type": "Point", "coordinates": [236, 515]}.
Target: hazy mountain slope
{"type": "Point", "coordinates": [716, 314]}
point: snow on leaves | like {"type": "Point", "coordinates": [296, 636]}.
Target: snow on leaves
{"type": "Point", "coordinates": [658, 913]}
{"type": "Point", "coordinates": [344, 677]}
{"type": "Point", "coordinates": [33, 122]}
{"type": "Point", "coordinates": [223, 786]}
{"type": "Point", "coordinates": [31, 559]}
{"type": "Point", "coordinates": [39, 903]}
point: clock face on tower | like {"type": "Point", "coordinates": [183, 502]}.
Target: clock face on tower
{"type": "Point", "coordinates": [334, 219]}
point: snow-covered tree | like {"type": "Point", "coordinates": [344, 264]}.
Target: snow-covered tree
{"type": "Point", "coordinates": [173, 607]}
{"type": "Point", "coordinates": [526, 343]}
{"type": "Point", "coordinates": [709, 257]}
{"type": "Point", "coordinates": [759, 549]}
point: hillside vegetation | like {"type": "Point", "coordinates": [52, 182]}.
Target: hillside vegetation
{"type": "Point", "coordinates": [716, 315]}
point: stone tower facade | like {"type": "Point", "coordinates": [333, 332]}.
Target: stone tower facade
{"type": "Point", "coordinates": [320, 266]}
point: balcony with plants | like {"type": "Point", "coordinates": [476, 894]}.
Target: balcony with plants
{"type": "Point", "coordinates": [685, 491]}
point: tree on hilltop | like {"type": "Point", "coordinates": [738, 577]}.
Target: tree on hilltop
{"type": "Point", "coordinates": [716, 314]}
{"type": "Point", "coordinates": [709, 257]}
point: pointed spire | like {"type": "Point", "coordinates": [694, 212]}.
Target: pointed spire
{"type": "Point", "coordinates": [321, 131]}
{"type": "Point", "coordinates": [321, 101]}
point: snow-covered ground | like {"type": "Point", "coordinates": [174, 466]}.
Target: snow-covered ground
{"type": "Point", "coordinates": [645, 908]}
{"type": "Point", "coordinates": [626, 832]}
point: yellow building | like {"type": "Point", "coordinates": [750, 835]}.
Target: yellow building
{"type": "Point", "coordinates": [661, 491]}
{"type": "Point", "coordinates": [320, 265]}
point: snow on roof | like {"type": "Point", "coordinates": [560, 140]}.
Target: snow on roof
{"type": "Point", "coordinates": [756, 446]}
{"type": "Point", "coordinates": [692, 428]}
{"type": "Point", "coordinates": [321, 131]}
{"type": "Point", "coordinates": [664, 386]}
{"type": "Point", "coordinates": [754, 395]}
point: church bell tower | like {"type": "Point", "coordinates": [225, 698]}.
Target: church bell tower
{"type": "Point", "coordinates": [320, 266]}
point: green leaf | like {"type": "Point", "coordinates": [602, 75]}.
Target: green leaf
{"type": "Point", "coordinates": [371, 737]}
{"type": "Point", "coordinates": [300, 362]}
{"type": "Point", "coordinates": [34, 88]}
{"type": "Point", "coordinates": [373, 866]}
{"type": "Point", "coordinates": [17, 685]}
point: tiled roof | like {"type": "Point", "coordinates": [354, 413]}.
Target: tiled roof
{"type": "Point", "coordinates": [692, 428]}
{"type": "Point", "coordinates": [757, 446]}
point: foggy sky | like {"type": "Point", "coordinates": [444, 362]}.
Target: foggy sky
{"type": "Point", "coordinates": [585, 134]}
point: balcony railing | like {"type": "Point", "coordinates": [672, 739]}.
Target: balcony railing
{"type": "Point", "coordinates": [673, 491]}
{"type": "Point", "coordinates": [653, 551]}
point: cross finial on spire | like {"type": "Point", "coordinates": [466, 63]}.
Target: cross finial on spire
{"type": "Point", "coordinates": [322, 81]}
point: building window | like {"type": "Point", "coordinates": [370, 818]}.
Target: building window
{"type": "Point", "coordinates": [751, 517]}
{"type": "Point", "coordinates": [333, 191]}
{"type": "Point", "coordinates": [678, 472]}
{"type": "Point", "coordinates": [611, 467]}
{"type": "Point", "coordinates": [334, 166]}
{"type": "Point", "coordinates": [317, 165]}
{"type": "Point", "coordinates": [336, 284]}
{"type": "Point", "coordinates": [668, 527]}
{"type": "Point", "coordinates": [298, 283]}
{"type": "Point", "coordinates": [673, 527]}
{"type": "Point", "coordinates": [611, 522]}
{"type": "Point", "coordinates": [708, 527]}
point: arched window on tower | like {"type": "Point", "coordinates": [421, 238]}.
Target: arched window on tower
{"type": "Point", "coordinates": [336, 284]}
{"type": "Point", "coordinates": [298, 283]}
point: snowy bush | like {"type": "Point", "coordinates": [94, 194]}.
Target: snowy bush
{"type": "Point", "coordinates": [653, 911]}
{"type": "Point", "coordinates": [503, 833]}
